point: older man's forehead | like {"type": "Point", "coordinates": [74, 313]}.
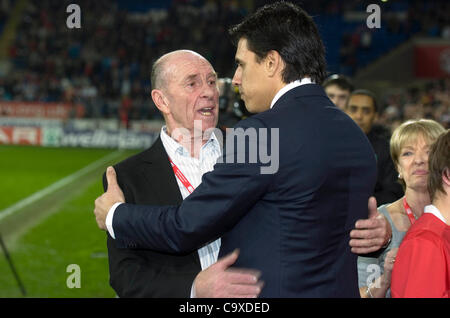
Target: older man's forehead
{"type": "Point", "coordinates": [191, 68]}
{"type": "Point", "coordinates": [181, 66]}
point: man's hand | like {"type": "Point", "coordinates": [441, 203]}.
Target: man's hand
{"type": "Point", "coordinates": [104, 202]}
{"type": "Point", "coordinates": [371, 234]}
{"type": "Point", "coordinates": [220, 281]}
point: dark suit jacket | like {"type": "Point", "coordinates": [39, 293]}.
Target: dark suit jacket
{"type": "Point", "coordinates": [148, 178]}
{"type": "Point", "coordinates": [387, 189]}
{"type": "Point", "coordinates": [292, 225]}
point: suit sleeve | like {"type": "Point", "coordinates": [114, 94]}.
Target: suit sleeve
{"type": "Point", "coordinates": [219, 202]}
{"type": "Point", "coordinates": [419, 270]}
{"type": "Point", "coordinates": [387, 188]}
{"type": "Point", "coordinates": [135, 274]}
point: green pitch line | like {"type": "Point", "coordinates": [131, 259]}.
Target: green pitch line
{"type": "Point", "coordinates": [76, 169]}
{"type": "Point", "coordinates": [26, 170]}
{"type": "Point", "coordinates": [48, 235]}
{"type": "Point", "coordinates": [59, 184]}
{"type": "Point", "coordinates": [43, 254]}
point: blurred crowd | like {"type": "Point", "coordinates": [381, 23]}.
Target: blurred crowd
{"type": "Point", "coordinates": [105, 65]}
{"type": "Point", "coordinates": [5, 7]}
{"type": "Point", "coordinates": [431, 102]}
{"type": "Point", "coordinates": [400, 20]}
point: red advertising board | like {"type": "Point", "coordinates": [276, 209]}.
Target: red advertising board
{"type": "Point", "coordinates": [39, 110]}
{"type": "Point", "coordinates": [432, 61]}
{"type": "Point", "coordinates": [10, 135]}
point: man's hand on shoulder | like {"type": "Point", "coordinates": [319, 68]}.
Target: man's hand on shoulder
{"type": "Point", "coordinates": [371, 234]}
{"type": "Point", "coordinates": [104, 202]}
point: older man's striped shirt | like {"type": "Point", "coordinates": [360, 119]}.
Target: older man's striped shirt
{"type": "Point", "coordinates": [193, 169]}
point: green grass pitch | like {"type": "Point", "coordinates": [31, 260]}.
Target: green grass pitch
{"type": "Point", "coordinates": [69, 235]}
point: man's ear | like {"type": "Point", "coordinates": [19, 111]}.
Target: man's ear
{"type": "Point", "coordinates": [274, 63]}
{"type": "Point", "coordinates": [446, 177]}
{"type": "Point", "coordinates": [160, 101]}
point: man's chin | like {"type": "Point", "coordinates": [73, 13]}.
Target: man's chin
{"type": "Point", "coordinates": [207, 122]}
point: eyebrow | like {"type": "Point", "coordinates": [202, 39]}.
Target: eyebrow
{"type": "Point", "coordinates": [412, 147]}
{"type": "Point", "coordinates": [194, 76]}
{"type": "Point", "coordinates": [190, 77]}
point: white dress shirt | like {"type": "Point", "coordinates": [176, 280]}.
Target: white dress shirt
{"type": "Point", "coordinates": [193, 169]}
{"type": "Point", "coordinates": [290, 86]}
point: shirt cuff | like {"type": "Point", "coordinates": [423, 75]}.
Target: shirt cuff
{"type": "Point", "coordinates": [193, 291]}
{"type": "Point", "coordinates": [109, 219]}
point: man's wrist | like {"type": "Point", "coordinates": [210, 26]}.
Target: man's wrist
{"type": "Point", "coordinates": [388, 242]}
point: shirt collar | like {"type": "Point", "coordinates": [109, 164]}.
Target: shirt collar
{"type": "Point", "coordinates": [288, 87]}
{"type": "Point", "coordinates": [434, 210]}
{"type": "Point", "coordinates": [173, 147]}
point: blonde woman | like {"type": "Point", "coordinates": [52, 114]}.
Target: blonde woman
{"type": "Point", "coordinates": [409, 147]}
{"type": "Point", "coordinates": [423, 260]}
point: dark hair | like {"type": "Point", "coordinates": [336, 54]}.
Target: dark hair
{"type": "Point", "coordinates": [438, 163]}
{"type": "Point", "coordinates": [287, 29]}
{"type": "Point", "coordinates": [342, 81]}
{"type": "Point", "coordinates": [365, 92]}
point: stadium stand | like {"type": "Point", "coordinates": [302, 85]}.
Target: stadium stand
{"type": "Point", "coordinates": [105, 65]}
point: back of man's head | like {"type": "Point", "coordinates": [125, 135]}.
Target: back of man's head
{"type": "Point", "coordinates": [439, 166]}
{"type": "Point", "coordinates": [289, 30]}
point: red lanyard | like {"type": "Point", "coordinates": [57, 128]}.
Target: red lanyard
{"type": "Point", "coordinates": [411, 217]}
{"type": "Point", "coordinates": [181, 177]}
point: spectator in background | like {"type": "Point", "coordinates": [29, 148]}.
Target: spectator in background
{"type": "Point", "coordinates": [338, 88]}
{"type": "Point", "coordinates": [422, 268]}
{"type": "Point", "coordinates": [425, 101]}
{"type": "Point", "coordinates": [409, 147]}
{"type": "Point", "coordinates": [362, 107]}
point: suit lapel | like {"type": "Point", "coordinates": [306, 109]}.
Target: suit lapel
{"type": "Point", "coordinates": [158, 172]}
